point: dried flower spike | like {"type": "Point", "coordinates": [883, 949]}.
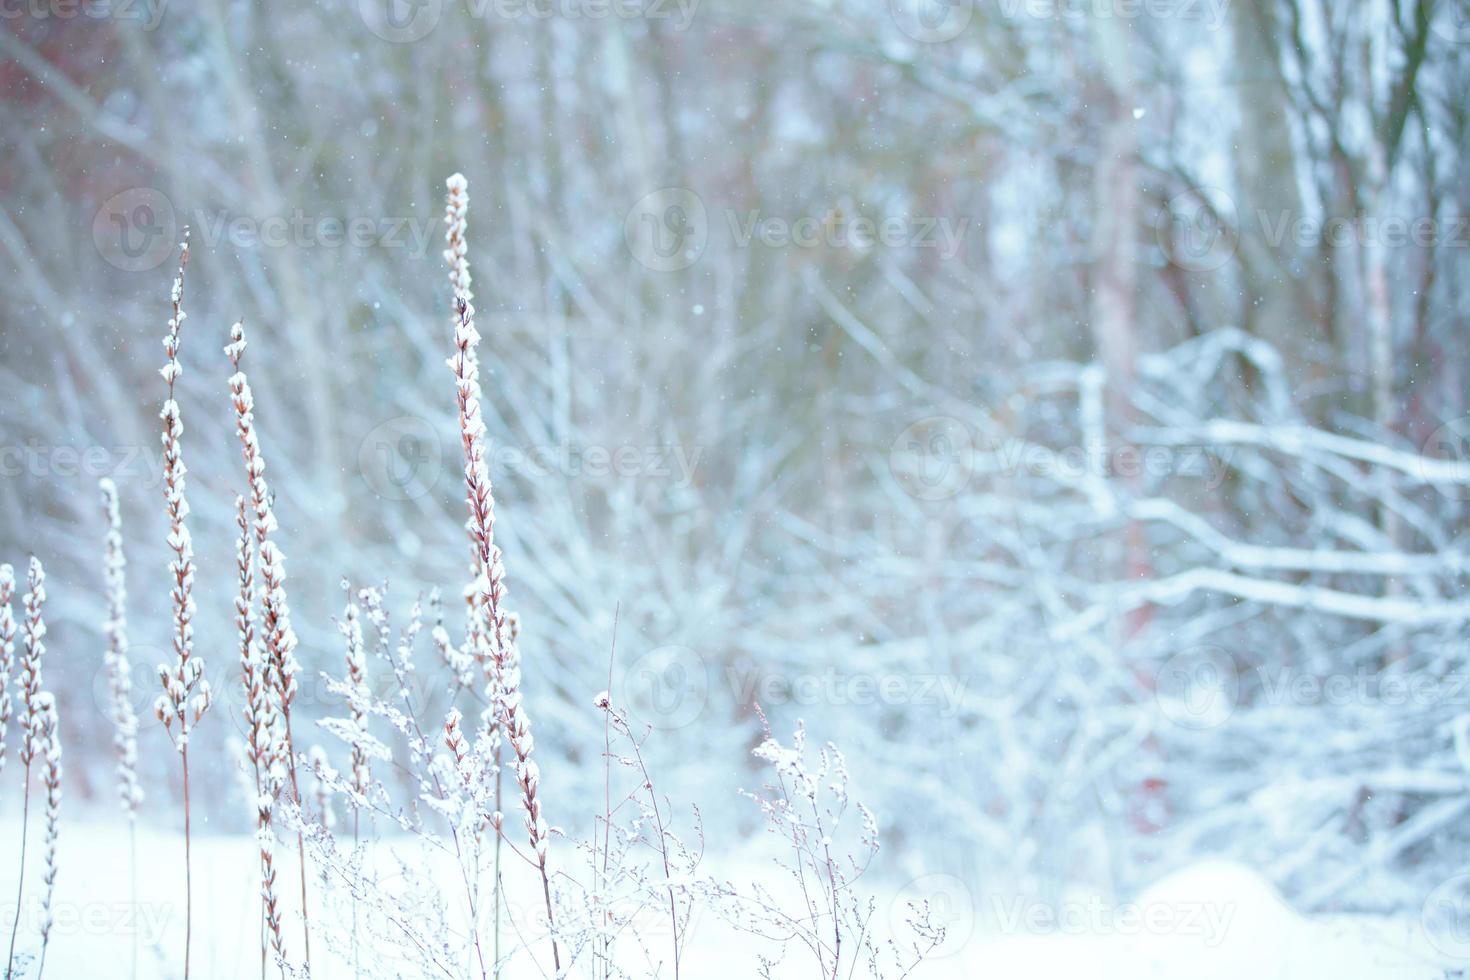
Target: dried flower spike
{"type": "Point", "coordinates": [7, 652]}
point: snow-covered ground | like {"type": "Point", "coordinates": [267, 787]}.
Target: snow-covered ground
{"type": "Point", "coordinates": [1212, 920]}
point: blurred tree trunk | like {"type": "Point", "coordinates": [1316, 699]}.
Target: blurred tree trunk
{"type": "Point", "coordinates": [1268, 203]}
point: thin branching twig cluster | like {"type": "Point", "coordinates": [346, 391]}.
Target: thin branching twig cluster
{"type": "Point", "coordinates": [805, 806]}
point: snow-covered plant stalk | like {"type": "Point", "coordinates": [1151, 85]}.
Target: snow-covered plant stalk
{"type": "Point", "coordinates": [49, 735]}
{"type": "Point", "coordinates": [474, 650]}
{"type": "Point", "coordinates": [258, 710]}
{"type": "Point", "coordinates": [7, 652]}
{"type": "Point", "coordinates": [279, 637]}
{"type": "Point", "coordinates": [260, 739]}
{"type": "Point", "coordinates": [186, 695]}
{"type": "Point", "coordinates": [119, 670]}
{"type": "Point", "coordinates": [34, 639]}
{"type": "Point", "coordinates": [120, 683]}
{"type": "Point", "coordinates": [33, 634]}
{"type": "Point", "coordinates": [511, 713]}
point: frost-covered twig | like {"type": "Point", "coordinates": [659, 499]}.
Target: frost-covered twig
{"type": "Point", "coordinates": [619, 723]}
{"type": "Point", "coordinates": [806, 806]}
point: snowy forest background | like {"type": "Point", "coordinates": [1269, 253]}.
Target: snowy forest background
{"type": "Point", "coordinates": [1062, 406]}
